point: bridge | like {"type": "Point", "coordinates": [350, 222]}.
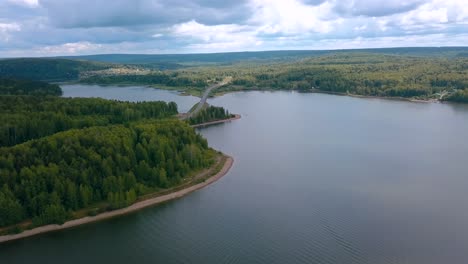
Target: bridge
{"type": "Point", "coordinates": [203, 99]}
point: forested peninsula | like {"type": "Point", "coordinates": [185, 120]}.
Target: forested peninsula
{"type": "Point", "coordinates": [67, 158]}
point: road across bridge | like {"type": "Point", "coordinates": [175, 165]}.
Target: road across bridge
{"type": "Point", "coordinates": [204, 98]}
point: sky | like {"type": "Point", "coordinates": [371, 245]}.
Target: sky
{"type": "Point", "coordinates": [78, 27]}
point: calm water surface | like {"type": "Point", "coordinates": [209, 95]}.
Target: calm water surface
{"type": "Point", "coordinates": [130, 93]}
{"type": "Point", "coordinates": [317, 179]}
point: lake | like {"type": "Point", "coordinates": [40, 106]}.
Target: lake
{"type": "Point", "coordinates": [317, 179]}
{"type": "Point", "coordinates": [130, 93]}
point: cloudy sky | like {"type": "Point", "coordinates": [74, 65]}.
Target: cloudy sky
{"type": "Point", "coordinates": [73, 27]}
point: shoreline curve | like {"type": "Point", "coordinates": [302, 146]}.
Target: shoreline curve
{"type": "Point", "coordinates": [123, 211]}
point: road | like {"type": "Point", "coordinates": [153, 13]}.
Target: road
{"type": "Point", "coordinates": [204, 98]}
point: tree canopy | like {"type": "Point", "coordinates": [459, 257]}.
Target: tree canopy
{"type": "Point", "coordinates": [208, 114]}
{"type": "Point", "coordinates": [47, 69]}
{"type": "Point", "coordinates": [62, 155]}
{"type": "Point", "coordinates": [26, 87]}
{"type": "Point", "coordinates": [48, 178]}
{"type": "Point", "coordinates": [367, 72]}
{"type": "Point", "coordinates": [27, 117]}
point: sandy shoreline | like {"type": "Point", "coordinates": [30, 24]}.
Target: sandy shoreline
{"type": "Point", "coordinates": [132, 208]}
{"type": "Point", "coordinates": [217, 121]}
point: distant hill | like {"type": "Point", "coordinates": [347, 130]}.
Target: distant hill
{"type": "Point", "coordinates": [46, 69]}
{"type": "Point", "coordinates": [177, 60]}
{"type": "Point", "coordinates": [158, 62]}
{"type": "Point", "coordinates": [450, 52]}
{"type": "Point", "coordinates": [70, 68]}
{"type": "Point", "coordinates": [203, 58]}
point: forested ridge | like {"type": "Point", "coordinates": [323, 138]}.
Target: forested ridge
{"type": "Point", "coordinates": [61, 158]}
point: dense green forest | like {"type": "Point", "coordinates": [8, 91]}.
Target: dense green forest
{"type": "Point", "coordinates": [360, 74]}
{"type": "Point", "coordinates": [25, 87]}
{"type": "Point", "coordinates": [460, 96]}
{"type": "Point", "coordinates": [26, 117]}
{"type": "Point", "coordinates": [47, 69]}
{"type": "Point", "coordinates": [210, 113]}
{"type": "Point", "coordinates": [48, 178]}
{"type": "Point", "coordinates": [62, 157]}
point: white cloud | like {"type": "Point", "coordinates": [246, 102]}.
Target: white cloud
{"type": "Point", "coordinates": [374, 8]}
{"type": "Point", "coordinates": [216, 38]}
{"type": "Point", "coordinates": [436, 16]}
{"type": "Point", "coordinates": [28, 3]}
{"type": "Point", "coordinates": [436, 40]}
{"type": "Point", "coordinates": [382, 24]}
{"type": "Point", "coordinates": [428, 14]}
{"type": "Point", "coordinates": [457, 10]}
{"type": "Point", "coordinates": [59, 27]}
{"type": "Point", "coordinates": [291, 17]}
{"type": "Point", "coordinates": [224, 46]}
{"type": "Point", "coordinates": [222, 33]}
{"type": "Point", "coordinates": [6, 29]}
{"type": "Point", "coordinates": [360, 28]}
{"type": "Point", "coordinates": [70, 48]}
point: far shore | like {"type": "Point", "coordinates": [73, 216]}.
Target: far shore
{"type": "Point", "coordinates": [183, 92]}
{"type": "Point", "coordinates": [228, 161]}
{"type": "Point", "coordinates": [394, 98]}
{"type": "Point", "coordinates": [217, 121]}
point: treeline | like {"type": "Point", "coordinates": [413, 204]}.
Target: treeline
{"type": "Point", "coordinates": [349, 73]}
{"type": "Point", "coordinates": [48, 179]}
{"type": "Point", "coordinates": [460, 96]}
{"type": "Point", "coordinates": [210, 113]}
{"type": "Point", "coordinates": [345, 72]}
{"type": "Point", "coordinates": [400, 72]}
{"type": "Point", "coordinates": [47, 68]}
{"type": "Point", "coordinates": [362, 74]}
{"type": "Point", "coordinates": [27, 117]}
{"type": "Point", "coordinates": [26, 87]}
{"type": "Point", "coordinates": [174, 79]}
